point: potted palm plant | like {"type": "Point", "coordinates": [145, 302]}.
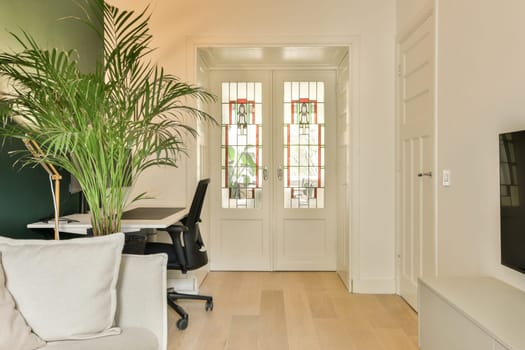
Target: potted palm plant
{"type": "Point", "coordinates": [104, 127]}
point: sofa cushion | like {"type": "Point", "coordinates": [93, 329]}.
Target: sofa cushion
{"type": "Point", "coordinates": [15, 334]}
{"type": "Point", "coordinates": [65, 289]}
{"type": "Point", "coordinates": [128, 339]}
{"type": "Point", "coordinates": [142, 294]}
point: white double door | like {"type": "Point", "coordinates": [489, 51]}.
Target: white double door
{"type": "Point", "coordinates": [272, 193]}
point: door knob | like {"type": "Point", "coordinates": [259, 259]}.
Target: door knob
{"type": "Point", "coordinates": [280, 173]}
{"type": "Point", "coordinates": [428, 173]}
{"type": "Point", "coordinates": [265, 172]}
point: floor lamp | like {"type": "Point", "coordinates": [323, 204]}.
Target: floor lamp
{"type": "Point", "coordinates": [37, 152]}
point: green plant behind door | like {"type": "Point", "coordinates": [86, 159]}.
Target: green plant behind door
{"type": "Point", "coordinates": [241, 168]}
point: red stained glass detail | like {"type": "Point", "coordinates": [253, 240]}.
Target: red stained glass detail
{"type": "Point", "coordinates": [226, 132]}
{"type": "Point", "coordinates": [318, 157]}
{"type": "Point", "coordinates": [288, 155]}
{"type": "Point", "coordinates": [256, 156]}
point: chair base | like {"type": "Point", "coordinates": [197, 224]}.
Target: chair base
{"type": "Point", "coordinates": [173, 296]}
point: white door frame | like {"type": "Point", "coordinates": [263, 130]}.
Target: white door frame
{"type": "Point", "coordinates": [193, 44]}
{"type": "Point", "coordinates": [414, 25]}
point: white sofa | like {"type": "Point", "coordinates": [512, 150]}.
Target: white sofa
{"type": "Point", "coordinates": [141, 309]}
{"type": "Point", "coordinates": [81, 294]}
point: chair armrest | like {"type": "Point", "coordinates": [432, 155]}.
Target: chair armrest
{"type": "Point", "coordinates": [177, 232]}
{"type": "Point", "coordinates": [141, 294]}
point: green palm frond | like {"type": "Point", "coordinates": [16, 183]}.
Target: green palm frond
{"type": "Point", "coordinates": [105, 127]}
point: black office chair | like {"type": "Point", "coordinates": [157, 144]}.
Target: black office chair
{"type": "Point", "coordinates": [186, 252]}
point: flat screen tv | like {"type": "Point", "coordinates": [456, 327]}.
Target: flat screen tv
{"type": "Point", "coordinates": [512, 199]}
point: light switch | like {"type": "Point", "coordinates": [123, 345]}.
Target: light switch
{"type": "Point", "coordinates": [446, 177]}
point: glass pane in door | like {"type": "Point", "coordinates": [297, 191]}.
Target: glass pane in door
{"type": "Point", "coordinates": [241, 145]}
{"type": "Point", "coordinates": [304, 144]}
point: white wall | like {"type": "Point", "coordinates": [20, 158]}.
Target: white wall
{"type": "Point", "coordinates": [480, 79]}
{"type": "Point", "coordinates": [481, 74]}
{"type": "Point", "coordinates": [276, 21]}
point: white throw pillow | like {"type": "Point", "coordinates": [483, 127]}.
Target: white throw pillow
{"type": "Point", "coordinates": [15, 334]}
{"type": "Point", "coordinates": [65, 289]}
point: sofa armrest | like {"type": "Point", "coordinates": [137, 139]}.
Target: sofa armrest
{"type": "Point", "coordinates": [142, 294]}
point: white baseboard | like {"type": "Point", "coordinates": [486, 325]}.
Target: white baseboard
{"type": "Point", "coordinates": [374, 286]}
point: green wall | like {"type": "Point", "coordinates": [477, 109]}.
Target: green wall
{"type": "Point", "coordinates": [25, 193]}
{"type": "Point", "coordinates": [25, 196]}
{"type": "Point", "coordinates": [50, 23]}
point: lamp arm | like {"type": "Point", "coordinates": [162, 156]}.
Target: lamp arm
{"type": "Point", "coordinates": [37, 152]}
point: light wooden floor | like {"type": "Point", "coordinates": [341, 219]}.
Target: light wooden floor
{"type": "Point", "coordinates": [293, 311]}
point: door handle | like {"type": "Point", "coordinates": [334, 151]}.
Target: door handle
{"type": "Point", "coordinates": [428, 173]}
{"type": "Point", "coordinates": [265, 172]}
{"type": "Point", "coordinates": [280, 173]}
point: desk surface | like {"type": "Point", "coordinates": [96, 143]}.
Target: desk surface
{"type": "Point", "coordinates": [134, 219]}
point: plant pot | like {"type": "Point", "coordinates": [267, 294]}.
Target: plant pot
{"type": "Point", "coordinates": [134, 243]}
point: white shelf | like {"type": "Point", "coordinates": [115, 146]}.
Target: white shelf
{"type": "Point", "coordinates": [491, 305]}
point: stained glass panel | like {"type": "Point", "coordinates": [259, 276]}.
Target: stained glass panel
{"type": "Point", "coordinates": [241, 147]}
{"type": "Point", "coordinates": [303, 134]}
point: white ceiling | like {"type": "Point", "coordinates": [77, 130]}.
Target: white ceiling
{"type": "Point", "coordinates": [290, 56]}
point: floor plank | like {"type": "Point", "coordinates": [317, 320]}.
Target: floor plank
{"type": "Point", "coordinates": [245, 333]}
{"type": "Point", "coordinates": [274, 334]}
{"type": "Point", "coordinates": [292, 311]}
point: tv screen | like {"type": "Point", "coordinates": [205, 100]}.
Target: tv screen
{"type": "Point", "coordinates": [512, 199]}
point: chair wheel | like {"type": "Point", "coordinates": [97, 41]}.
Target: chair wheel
{"type": "Point", "coordinates": [209, 305]}
{"type": "Point", "coordinates": [182, 324]}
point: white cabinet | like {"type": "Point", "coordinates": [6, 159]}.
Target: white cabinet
{"type": "Point", "coordinates": [442, 327]}
{"type": "Point", "coordinates": [474, 313]}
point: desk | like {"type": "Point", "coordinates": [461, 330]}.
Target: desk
{"type": "Point", "coordinates": [139, 218]}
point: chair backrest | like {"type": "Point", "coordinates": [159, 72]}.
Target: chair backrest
{"type": "Point", "coordinates": [195, 254]}
{"type": "Point", "coordinates": [194, 215]}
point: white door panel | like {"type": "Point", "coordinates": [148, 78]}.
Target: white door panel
{"type": "Point", "coordinates": [240, 195]}
{"type": "Point", "coordinates": [416, 157]}
{"type": "Point", "coordinates": [305, 223]}
{"type": "Point", "coordinates": [243, 240]}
